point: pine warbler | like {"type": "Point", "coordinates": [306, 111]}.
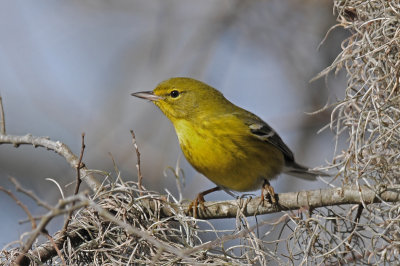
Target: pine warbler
{"type": "Point", "coordinates": [232, 147]}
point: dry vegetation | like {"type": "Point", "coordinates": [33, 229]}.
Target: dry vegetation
{"type": "Point", "coordinates": [121, 224]}
{"type": "Point", "coordinates": [369, 118]}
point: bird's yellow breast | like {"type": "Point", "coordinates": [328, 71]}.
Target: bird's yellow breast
{"type": "Point", "coordinates": [225, 152]}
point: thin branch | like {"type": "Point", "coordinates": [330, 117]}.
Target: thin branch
{"type": "Point", "coordinates": [2, 118]}
{"type": "Point", "coordinates": [360, 208]}
{"type": "Point", "coordinates": [54, 245]}
{"type": "Point", "coordinates": [30, 194]}
{"type": "Point", "coordinates": [140, 177]}
{"type": "Point", "coordinates": [57, 146]}
{"type": "Point", "coordinates": [23, 206]}
{"type": "Point", "coordinates": [79, 166]}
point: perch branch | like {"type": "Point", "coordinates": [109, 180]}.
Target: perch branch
{"type": "Point", "coordinates": [228, 209]}
{"type": "Point", "coordinates": [289, 201]}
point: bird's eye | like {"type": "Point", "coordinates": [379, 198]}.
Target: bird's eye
{"type": "Point", "coordinates": [174, 93]}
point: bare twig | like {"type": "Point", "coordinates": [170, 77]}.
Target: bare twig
{"type": "Point", "coordinates": [79, 166]}
{"type": "Point", "coordinates": [26, 210]}
{"type": "Point", "coordinates": [54, 245]}
{"type": "Point", "coordinates": [360, 208]}
{"type": "Point", "coordinates": [140, 177]}
{"type": "Point", "coordinates": [2, 118]}
{"type": "Point", "coordinates": [59, 147]}
{"type": "Point", "coordinates": [30, 194]}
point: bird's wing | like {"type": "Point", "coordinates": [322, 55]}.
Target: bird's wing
{"type": "Point", "coordinates": [264, 132]}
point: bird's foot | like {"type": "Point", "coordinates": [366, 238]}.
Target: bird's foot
{"type": "Point", "coordinates": [199, 200]}
{"type": "Point", "coordinates": [193, 207]}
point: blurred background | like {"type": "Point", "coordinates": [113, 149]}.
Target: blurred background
{"type": "Point", "coordinates": [68, 67]}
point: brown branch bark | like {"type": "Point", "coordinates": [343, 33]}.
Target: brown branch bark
{"type": "Point", "coordinates": [56, 146]}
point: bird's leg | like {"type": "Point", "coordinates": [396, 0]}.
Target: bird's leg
{"type": "Point", "coordinates": [200, 200]}
{"type": "Point", "coordinates": [269, 192]}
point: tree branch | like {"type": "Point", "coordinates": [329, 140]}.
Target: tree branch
{"type": "Point", "coordinates": [228, 209]}
{"type": "Point", "coordinates": [57, 146]}
{"type": "Point", "coordinates": [290, 201]}
{"type": "Point", "coordinates": [2, 118]}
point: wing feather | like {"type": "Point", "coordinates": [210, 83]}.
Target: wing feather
{"type": "Point", "coordinates": [264, 132]}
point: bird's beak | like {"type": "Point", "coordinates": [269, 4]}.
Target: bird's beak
{"type": "Point", "coordinates": [148, 95]}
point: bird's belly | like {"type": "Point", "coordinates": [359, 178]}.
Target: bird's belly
{"type": "Point", "coordinates": [231, 162]}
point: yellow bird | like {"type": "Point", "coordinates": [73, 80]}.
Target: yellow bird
{"type": "Point", "coordinates": [232, 147]}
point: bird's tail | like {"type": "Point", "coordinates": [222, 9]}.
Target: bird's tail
{"type": "Point", "coordinates": [297, 170]}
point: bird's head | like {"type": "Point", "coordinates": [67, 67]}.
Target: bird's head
{"type": "Point", "coordinates": [185, 98]}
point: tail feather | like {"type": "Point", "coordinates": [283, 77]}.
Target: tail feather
{"type": "Point", "coordinates": [297, 170]}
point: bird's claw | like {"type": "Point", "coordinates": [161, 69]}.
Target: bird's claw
{"type": "Point", "coordinates": [193, 206]}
